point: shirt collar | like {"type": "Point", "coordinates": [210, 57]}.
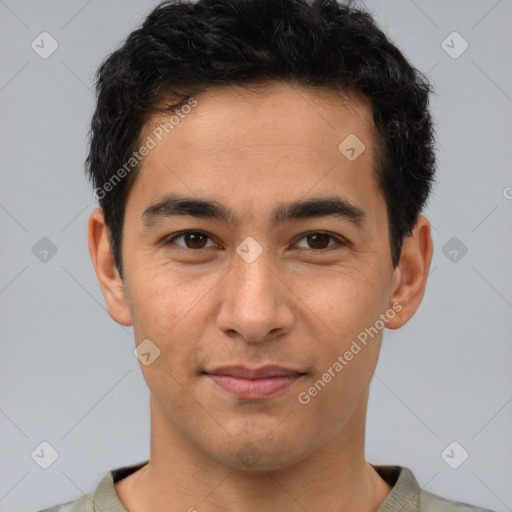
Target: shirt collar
{"type": "Point", "coordinates": [403, 497]}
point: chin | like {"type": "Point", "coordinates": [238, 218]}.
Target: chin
{"type": "Point", "coordinates": [249, 453]}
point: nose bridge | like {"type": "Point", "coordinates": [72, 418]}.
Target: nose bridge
{"type": "Point", "coordinates": [253, 303]}
{"type": "Point", "coordinates": [254, 279]}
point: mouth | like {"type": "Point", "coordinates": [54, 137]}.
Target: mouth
{"type": "Point", "coordinates": [254, 384]}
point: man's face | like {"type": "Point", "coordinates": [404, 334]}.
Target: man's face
{"type": "Point", "coordinates": [296, 294]}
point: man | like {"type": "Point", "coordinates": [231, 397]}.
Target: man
{"type": "Point", "coordinates": [260, 168]}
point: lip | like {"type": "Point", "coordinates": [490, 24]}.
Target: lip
{"type": "Point", "coordinates": [254, 384]}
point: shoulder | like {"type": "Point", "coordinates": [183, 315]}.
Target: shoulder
{"type": "Point", "coordinates": [429, 502]}
{"type": "Point", "coordinates": [103, 498]}
{"type": "Point", "coordinates": [82, 504]}
{"type": "Point", "coordinates": [407, 496]}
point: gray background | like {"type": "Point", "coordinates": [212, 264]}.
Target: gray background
{"type": "Point", "coordinates": [68, 375]}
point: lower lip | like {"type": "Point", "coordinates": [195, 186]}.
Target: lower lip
{"type": "Point", "coordinates": [255, 389]}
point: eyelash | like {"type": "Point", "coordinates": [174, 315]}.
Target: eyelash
{"type": "Point", "coordinates": [187, 249]}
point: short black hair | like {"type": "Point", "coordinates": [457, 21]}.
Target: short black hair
{"type": "Point", "coordinates": [186, 47]}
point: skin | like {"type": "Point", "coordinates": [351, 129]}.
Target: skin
{"type": "Point", "coordinates": [207, 307]}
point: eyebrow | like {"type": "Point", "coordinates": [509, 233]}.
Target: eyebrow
{"type": "Point", "coordinates": [172, 205]}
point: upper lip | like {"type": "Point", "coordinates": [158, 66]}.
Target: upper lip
{"type": "Point", "coordinates": [256, 373]}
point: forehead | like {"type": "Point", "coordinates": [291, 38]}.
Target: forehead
{"type": "Point", "coordinates": [298, 115]}
{"type": "Point", "coordinates": [237, 140]}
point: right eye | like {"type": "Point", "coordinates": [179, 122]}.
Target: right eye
{"type": "Point", "coordinates": [193, 240]}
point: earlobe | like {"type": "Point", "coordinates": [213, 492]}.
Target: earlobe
{"type": "Point", "coordinates": [410, 276]}
{"type": "Point", "coordinates": [110, 282]}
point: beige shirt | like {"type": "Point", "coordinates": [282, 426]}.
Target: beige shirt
{"type": "Point", "coordinates": [405, 496]}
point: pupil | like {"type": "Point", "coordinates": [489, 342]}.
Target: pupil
{"type": "Point", "coordinates": [315, 239]}
{"type": "Point", "coordinates": [193, 239]}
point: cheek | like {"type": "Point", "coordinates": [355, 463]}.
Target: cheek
{"type": "Point", "coordinates": [165, 305]}
{"type": "Point", "coordinates": [345, 304]}
{"type": "Point", "coordinates": [330, 397]}
{"type": "Point", "coordinates": [169, 306]}
{"type": "Point", "coordinates": [162, 295]}
{"type": "Point", "coordinates": [344, 299]}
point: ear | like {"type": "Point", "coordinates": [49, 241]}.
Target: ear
{"type": "Point", "coordinates": [110, 281]}
{"type": "Point", "coordinates": [410, 276]}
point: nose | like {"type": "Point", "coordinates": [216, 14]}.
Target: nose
{"type": "Point", "coordinates": [256, 303]}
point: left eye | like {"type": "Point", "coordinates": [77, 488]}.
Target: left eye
{"type": "Point", "coordinates": [197, 240]}
{"type": "Point", "coordinates": [319, 240]}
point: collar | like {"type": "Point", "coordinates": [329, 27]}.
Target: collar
{"type": "Point", "coordinates": [404, 495]}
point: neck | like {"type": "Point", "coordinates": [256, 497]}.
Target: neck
{"type": "Point", "coordinates": [178, 477]}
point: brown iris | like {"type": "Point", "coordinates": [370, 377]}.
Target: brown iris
{"type": "Point", "coordinates": [318, 239]}
{"type": "Point", "coordinates": [195, 240]}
